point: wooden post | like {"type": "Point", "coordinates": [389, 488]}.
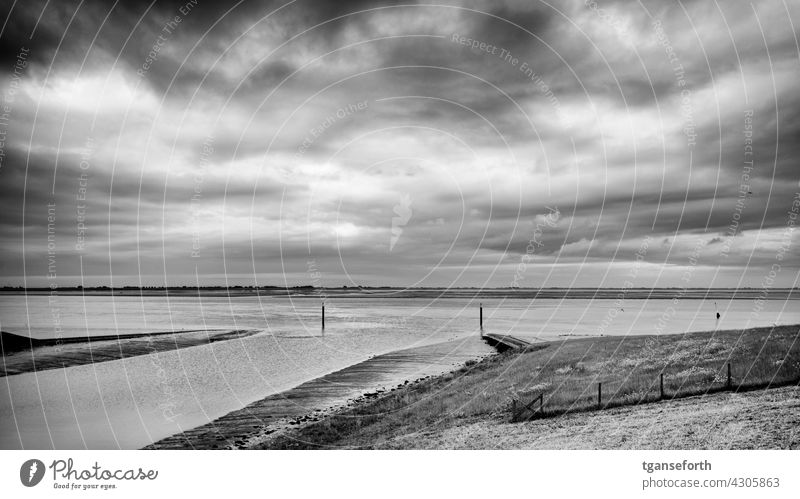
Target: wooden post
{"type": "Point", "coordinates": [662, 385]}
{"type": "Point", "coordinates": [323, 315]}
{"type": "Point", "coordinates": [599, 393]}
{"type": "Point", "coordinates": [481, 319]}
{"type": "Point", "coordinates": [729, 376]}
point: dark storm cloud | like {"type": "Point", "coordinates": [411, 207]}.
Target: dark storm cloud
{"type": "Point", "coordinates": [65, 33]}
{"type": "Point", "coordinates": [454, 157]}
{"type": "Point", "coordinates": [125, 199]}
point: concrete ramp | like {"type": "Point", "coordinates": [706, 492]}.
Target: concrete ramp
{"type": "Point", "coordinates": [503, 342]}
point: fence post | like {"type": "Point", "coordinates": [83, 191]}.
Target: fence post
{"type": "Point", "coordinates": [662, 385]}
{"type": "Point", "coordinates": [481, 319]}
{"type": "Point", "coordinates": [323, 315]}
{"type": "Point", "coordinates": [599, 393]}
{"type": "Point", "coordinates": [729, 376]}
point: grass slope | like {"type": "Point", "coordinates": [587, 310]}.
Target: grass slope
{"type": "Point", "coordinates": [566, 373]}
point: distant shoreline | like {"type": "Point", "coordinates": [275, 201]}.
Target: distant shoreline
{"type": "Point", "coordinates": [427, 293]}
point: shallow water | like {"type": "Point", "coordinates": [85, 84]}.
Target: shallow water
{"type": "Point", "coordinates": [132, 402]}
{"type": "Point", "coordinates": [259, 421]}
{"type": "Point", "coordinates": [545, 318]}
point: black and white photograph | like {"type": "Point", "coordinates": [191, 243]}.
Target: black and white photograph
{"type": "Point", "coordinates": [475, 237]}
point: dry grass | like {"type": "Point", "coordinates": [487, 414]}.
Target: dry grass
{"type": "Point", "coordinates": [760, 419]}
{"type": "Point", "coordinates": [566, 374]}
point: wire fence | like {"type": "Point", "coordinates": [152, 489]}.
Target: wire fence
{"type": "Point", "coordinates": [634, 391]}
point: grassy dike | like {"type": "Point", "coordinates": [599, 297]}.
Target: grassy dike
{"type": "Point", "coordinates": [566, 373]}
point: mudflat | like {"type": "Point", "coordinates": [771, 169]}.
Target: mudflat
{"type": "Point", "coordinates": [58, 354]}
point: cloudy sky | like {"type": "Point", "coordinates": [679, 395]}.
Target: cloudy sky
{"type": "Point", "coordinates": [467, 143]}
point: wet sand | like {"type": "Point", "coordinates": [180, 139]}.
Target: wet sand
{"type": "Point", "coordinates": [58, 354]}
{"type": "Point", "coordinates": [266, 418]}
